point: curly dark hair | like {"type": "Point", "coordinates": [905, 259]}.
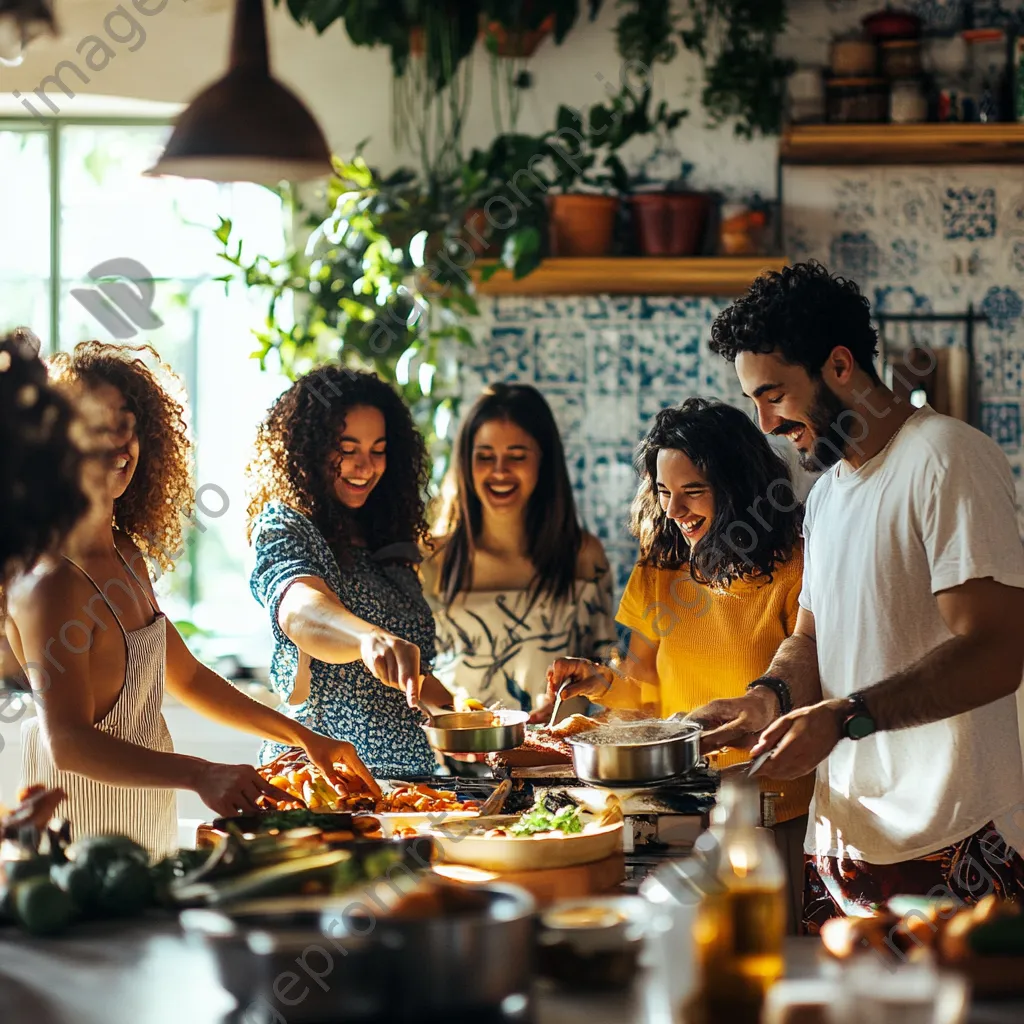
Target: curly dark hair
{"type": "Point", "coordinates": [161, 493]}
{"type": "Point", "coordinates": [757, 515]}
{"type": "Point", "coordinates": [296, 452]}
{"type": "Point", "coordinates": [40, 465]}
{"type": "Point", "coordinates": [552, 523]}
{"type": "Point", "coordinates": [802, 312]}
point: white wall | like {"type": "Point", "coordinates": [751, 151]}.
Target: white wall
{"type": "Point", "coordinates": [349, 89]}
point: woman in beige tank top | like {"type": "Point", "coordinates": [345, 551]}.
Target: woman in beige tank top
{"type": "Point", "coordinates": [96, 648]}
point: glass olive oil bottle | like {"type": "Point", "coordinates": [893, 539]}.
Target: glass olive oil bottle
{"type": "Point", "coordinates": [741, 921]}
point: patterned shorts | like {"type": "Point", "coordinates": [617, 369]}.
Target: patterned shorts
{"type": "Point", "coordinates": [968, 870]}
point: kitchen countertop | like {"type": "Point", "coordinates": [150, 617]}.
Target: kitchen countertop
{"type": "Point", "coordinates": [144, 973]}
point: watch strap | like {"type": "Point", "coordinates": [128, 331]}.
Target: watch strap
{"type": "Point", "coordinates": [780, 688]}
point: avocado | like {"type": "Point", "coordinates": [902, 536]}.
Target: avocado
{"type": "Point", "coordinates": [98, 852]}
{"type": "Point", "coordinates": [41, 907]}
{"type": "Point", "coordinates": [80, 882]}
{"type": "Point", "coordinates": [127, 889]}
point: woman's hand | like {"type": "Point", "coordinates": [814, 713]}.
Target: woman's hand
{"type": "Point", "coordinates": [229, 789]}
{"type": "Point", "coordinates": [394, 661]}
{"type": "Point", "coordinates": [327, 754]}
{"type": "Point", "coordinates": [574, 677]}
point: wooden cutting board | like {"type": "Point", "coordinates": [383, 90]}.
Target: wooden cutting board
{"type": "Point", "coordinates": [548, 884]}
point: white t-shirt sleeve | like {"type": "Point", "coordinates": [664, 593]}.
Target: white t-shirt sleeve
{"type": "Point", "coordinates": [969, 518]}
{"type": "Point", "coordinates": [804, 600]}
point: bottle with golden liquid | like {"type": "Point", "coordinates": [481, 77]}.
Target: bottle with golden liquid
{"type": "Point", "coordinates": [741, 920]}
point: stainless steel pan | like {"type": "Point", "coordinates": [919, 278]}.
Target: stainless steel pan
{"type": "Point", "coordinates": [637, 763]}
{"type": "Point", "coordinates": [462, 733]}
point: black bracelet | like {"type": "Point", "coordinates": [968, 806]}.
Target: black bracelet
{"type": "Point", "coordinates": [781, 690]}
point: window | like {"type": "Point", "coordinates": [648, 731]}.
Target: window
{"type": "Point", "coordinates": [74, 196]}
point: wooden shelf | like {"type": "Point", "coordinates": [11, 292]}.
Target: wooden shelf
{"type": "Point", "coordinates": [697, 275]}
{"type": "Point", "coordinates": [842, 144]}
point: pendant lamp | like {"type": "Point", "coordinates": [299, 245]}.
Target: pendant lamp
{"type": "Point", "coordinates": [247, 126]}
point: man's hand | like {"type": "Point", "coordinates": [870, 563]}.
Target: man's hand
{"type": "Point", "coordinates": [394, 661]}
{"type": "Point", "coordinates": [327, 753]}
{"type": "Point", "coordinates": [579, 677]}
{"type": "Point", "coordinates": [229, 789]}
{"type": "Point", "coordinates": [736, 721]}
{"type": "Point", "coordinates": [801, 740]}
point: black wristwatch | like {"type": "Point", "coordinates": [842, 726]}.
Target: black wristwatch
{"type": "Point", "coordinates": [858, 722]}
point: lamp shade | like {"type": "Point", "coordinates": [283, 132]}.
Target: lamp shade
{"type": "Point", "coordinates": [247, 126]}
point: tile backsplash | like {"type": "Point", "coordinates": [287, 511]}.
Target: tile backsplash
{"type": "Point", "coordinates": [916, 239]}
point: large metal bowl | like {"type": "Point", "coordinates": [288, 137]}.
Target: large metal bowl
{"type": "Point", "coordinates": [306, 964]}
{"type": "Point", "coordinates": [461, 733]}
{"type": "Point", "coordinates": [637, 764]}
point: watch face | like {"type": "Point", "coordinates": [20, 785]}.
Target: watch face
{"type": "Point", "coordinates": [859, 726]}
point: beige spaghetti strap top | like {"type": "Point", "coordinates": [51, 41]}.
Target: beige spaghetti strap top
{"type": "Point", "coordinates": [149, 816]}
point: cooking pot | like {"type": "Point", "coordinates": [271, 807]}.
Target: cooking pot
{"type": "Point", "coordinates": [633, 763]}
{"type": "Point", "coordinates": [305, 962]}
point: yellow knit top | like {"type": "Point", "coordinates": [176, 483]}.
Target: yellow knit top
{"type": "Point", "coordinates": [710, 644]}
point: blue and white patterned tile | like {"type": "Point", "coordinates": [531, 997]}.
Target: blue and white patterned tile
{"type": "Point", "coordinates": [514, 309]}
{"type": "Point", "coordinates": [1017, 258]}
{"type": "Point", "coordinates": [509, 354]}
{"type": "Point", "coordinates": [1002, 422]}
{"type": "Point", "coordinates": [569, 408]}
{"type": "Point", "coordinates": [969, 213]}
{"type": "Point", "coordinates": [912, 207]}
{"type": "Point", "coordinates": [855, 254]}
{"type": "Point", "coordinates": [1011, 221]}
{"type": "Point", "coordinates": [856, 203]}
{"type": "Point", "coordinates": [611, 419]}
{"type": "Point", "coordinates": [939, 16]}
{"type": "Point", "coordinates": [669, 356]}
{"type": "Point", "coordinates": [1003, 307]}
{"type": "Point", "coordinates": [693, 309]}
{"type": "Point", "coordinates": [576, 461]}
{"type": "Point", "coordinates": [652, 401]}
{"type": "Point", "coordinates": [610, 476]}
{"type": "Point", "coordinates": [611, 360]}
{"type": "Point", "coordinates": [561, 355]}
{"type": "Point", "coordinates": [1002, 371]}
{"type": "Point", "coordinates": [622, 554]}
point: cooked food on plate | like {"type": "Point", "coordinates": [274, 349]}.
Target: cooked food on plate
{"type": "Point", "coordinates": [294, 773]}
{"type": "Point", "coordinates": [554, 815]}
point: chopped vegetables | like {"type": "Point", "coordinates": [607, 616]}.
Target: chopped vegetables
{"type": "Point", "coordinates": [540, 819]}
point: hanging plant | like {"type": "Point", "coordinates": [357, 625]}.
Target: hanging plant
{"type": "Point", "coordinates": [743, 78]}
{"type": "Point", "coordinates": [374, 288]}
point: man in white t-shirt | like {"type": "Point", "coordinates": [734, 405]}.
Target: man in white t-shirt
{"type": "Point", "coordinates": [898, 684]}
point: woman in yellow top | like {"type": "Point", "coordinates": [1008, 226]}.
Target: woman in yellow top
{"type": "Point", "coordinates": [715, 589]}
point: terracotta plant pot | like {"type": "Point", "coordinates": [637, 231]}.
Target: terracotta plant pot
{"type": "Point", "coordinates": [477, 233]}
{"type": "Point", "coordinates": [512, 43]}
{"type": "Point", "coordinates": [582, 225]}
{"type": "Point", "coordinates": [670, 223]}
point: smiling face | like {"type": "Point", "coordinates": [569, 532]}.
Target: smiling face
{"type": "Point", "coordinates": [791, 404]}
{"type": "Point", "coordinates": [506, 466]}
{"type": "Point", "coordinates": [361, 457]}
{"type": "Point", "coordinates": [685, 495]}
{"type": "Point", "coordinates": [113, 441]}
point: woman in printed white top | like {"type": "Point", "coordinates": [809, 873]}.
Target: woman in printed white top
{"type": "Point", "coordinates": [95, 646]}
{"type": "Point", "coordinates": [908, 647]}
{"type": "Point", "coordinates": [514, 580]}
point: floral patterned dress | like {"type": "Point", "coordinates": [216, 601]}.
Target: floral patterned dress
{"type": "Point", "coordinates": [345, 701]}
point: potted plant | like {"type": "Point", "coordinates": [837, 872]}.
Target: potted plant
{"type": "Point", "coordinates": [370, 289]}
{"type": "Point", "coordinates": [503, 210]}
{"type": "Point", "coordinates": [589, 178]}
{"type": "Point", "coordinates": [515, 28]}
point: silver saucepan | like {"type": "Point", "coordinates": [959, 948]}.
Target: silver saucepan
{"type": "Point", "coordinates": [472, 732]}
{"type": "Point", "coordinates": [635, 753]}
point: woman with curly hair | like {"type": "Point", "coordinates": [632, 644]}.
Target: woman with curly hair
{"type": "Point", "coordinates": [95, 646]}
{"type": "Point", "coordinates": [336, 515]}
{"type": "Point", "coordinates": [39, 475]}
{"type": "Point", "coordinates": [715, 589]}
